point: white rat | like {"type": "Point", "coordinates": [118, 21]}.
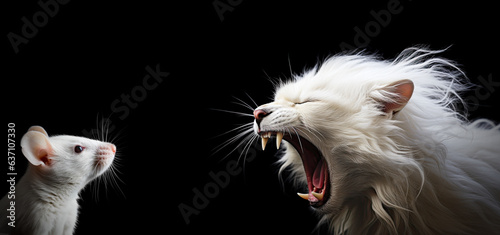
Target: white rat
{"type": "Point", "coordinates": [46, 196]}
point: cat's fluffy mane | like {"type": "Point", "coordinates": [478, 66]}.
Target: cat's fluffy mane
{"type": "Point", "coordinates": [431, 171]}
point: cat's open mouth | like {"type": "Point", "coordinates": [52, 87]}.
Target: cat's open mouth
{"type": "Point", "coordinates": [314, 163]}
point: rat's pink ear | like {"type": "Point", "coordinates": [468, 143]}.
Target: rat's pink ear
{"type": "Point", "coordinates": [36, 147]}
{"type": "Point", "coordinates": [395, 96]}
{"type": "Point", "coordinates": [39, 129]}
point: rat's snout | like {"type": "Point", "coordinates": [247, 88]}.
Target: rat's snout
{"type": "Point", "coordinates": [104, 157]}
{"type": "Point", "coordinates": [107, 149]}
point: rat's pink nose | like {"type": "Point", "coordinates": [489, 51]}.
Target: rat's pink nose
{"type": "Point", "coordinates": [113, 148]}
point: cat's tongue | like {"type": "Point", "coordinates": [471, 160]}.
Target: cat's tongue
{"type": "Point", "coordinates": [319, 174]}
{"type": "Point", "coordinates": [316, 191]}
{"type": "Point", "coordinates": [316, 184]}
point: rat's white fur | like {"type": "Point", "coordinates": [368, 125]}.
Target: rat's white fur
{"type": "Point", "coordinates": [46, 196]}
{"type": "Point", "coordinates": [422, 170]}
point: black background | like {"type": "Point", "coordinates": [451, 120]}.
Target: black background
{"type": "Point", "coordinates": [92, 52]}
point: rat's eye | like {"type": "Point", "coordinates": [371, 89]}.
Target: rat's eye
{"type": "Point", "coordinates": [79, 149]}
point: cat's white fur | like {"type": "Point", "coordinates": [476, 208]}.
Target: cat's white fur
{"type": "Point", "coordinates": [46, 196]}
{"type": "Point", "coordinates": [422, 170]}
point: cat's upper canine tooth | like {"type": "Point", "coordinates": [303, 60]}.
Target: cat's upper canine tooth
{"type": "Point", "coordinates": [264, 142]}
{"type": "Point", "coordinates": [265, 137]}
{"type": "Point", "coordinates": [279, 137]}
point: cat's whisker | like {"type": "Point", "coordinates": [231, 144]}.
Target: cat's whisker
{"type": "Point", "coordinates": [244, 104]}
{"type": "Point", "coordinates": [234, 112]}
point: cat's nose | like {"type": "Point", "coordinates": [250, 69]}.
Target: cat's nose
{"type": "Point", "coordinates": [259, 114]}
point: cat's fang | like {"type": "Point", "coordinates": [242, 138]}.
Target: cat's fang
{"type": "Point", "coordinates": [279, 137]}
{"type": "Point", "coordinates": [304, 196]}
{"type": "Point", "coordinates": [264, 142]}
{"type": "Point", "coordinates": [319, 196]}
{"type": "Point", "coordinates": [312, 197]}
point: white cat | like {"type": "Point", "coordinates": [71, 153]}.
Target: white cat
{"type": "Point", "coordinates": [382, 148]}
{"type": "Point", "coordinates": [46, 196]}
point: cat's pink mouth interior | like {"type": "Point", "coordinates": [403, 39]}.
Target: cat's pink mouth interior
{"type": "Point", "coordinates": [315, 166]}
{"type": "Point", "coordinates": [316, 170]}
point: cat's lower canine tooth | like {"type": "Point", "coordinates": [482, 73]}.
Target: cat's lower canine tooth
{"type": "Point", "coordinates": [304, 195]}
{"type": "Point", "coordinates": [319, 196]}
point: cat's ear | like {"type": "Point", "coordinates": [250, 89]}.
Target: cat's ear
{"type": "Point", "coordinates": [36, 146]}
{"type": "Point", "coordinates": [394, 97]}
